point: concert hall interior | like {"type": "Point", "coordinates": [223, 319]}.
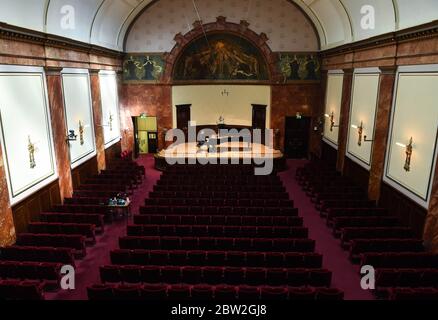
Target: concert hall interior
{"type": "Point", "coordinates": [218, 150]}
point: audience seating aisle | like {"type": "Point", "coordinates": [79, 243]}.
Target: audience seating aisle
{"type": "Point", "coordinates": [372, 236]}
{"type": "Point", "coordinates": [216, 232]}
{"type": "Point", "coordinates": [32, 266]}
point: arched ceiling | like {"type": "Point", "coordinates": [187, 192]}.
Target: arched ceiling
{"type": "Point", "coordinates": [106, 22]}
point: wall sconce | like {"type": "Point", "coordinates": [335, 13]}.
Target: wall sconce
{"type": "Point", "coordinates": [72, 136]}
{"type": "Point", "coordinates": [409, 149]}
{"type": "Point", "coordinates": [362, 138]}
{"type": "Point", "coordinates": [111, 121]}
{"type": "Point", "coordinates": [31, 149]}
{"type": "Point", "coordinates": [299, 116]}
{"type": "Point", "coordinates": [81, 133]}
{"type": "Point", "coordinates": [331, 116]}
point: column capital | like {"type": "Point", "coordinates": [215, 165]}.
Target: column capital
{"type": "Point", "coordinates": [388, 70]}
{"type": "Point", "coordinates": [348, 71]}
{"type": "Point", "coordinates": [53, 71]}
{"type": "Point", "coordinates": [94, 71]}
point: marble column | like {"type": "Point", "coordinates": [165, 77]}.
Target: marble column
{"type": "Point", "coordinates": [431, 225]}
{"type": "Point", "coordinates": [384, 105]}
{"type": "Point", "coordinates": [344, 118]}
{"type": "Point", "coordinates": [59, 128]}
{"type": "Point", "coordinates": [7, 229]}
{"type": "Point", "coordinates": [97, 115]}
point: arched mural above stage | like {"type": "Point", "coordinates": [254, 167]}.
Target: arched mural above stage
{"type": "Point", "coordinates": [221, 56]}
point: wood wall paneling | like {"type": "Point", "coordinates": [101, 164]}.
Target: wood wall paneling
{"type": "Point", "coordinates": [84, 171]}
{"type": "Point", "coordinates": [358, 174]}
{"type": "Point", "coordinates": [410, 213]}
{"type": "Point", "coordinates": [30, 209]}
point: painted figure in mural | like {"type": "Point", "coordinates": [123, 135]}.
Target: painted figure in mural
{"type": "Point", "coordinates": [31, 149]}
{"type": "Point", "coordinates": [311, 68]}
{"type": "Point", "coordinates": [143, 68]}
{"type": "Point", "coordinates": [222, 57]}
{"type": "Point", "coordinates": [295, 68]}
{"type": "Point", "coordinates": [301, 67]}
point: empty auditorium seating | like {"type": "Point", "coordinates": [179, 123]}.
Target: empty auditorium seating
{"type": "Point", "coordinates": [95, 219]}
{"type": "Point", "coordinates": [37, 254]}
{"type": "Point", "coordinates": [159, 292]}
{"type": "Point", "coordinates": [86, 230]}
{"type": "Point", "coordinates": [21, 290]}
{"type": "Point", "coordinates": [218, 233]}
{"type": "Point", "coordinates": [373, 237]}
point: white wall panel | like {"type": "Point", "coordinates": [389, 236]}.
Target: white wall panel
{"type": "Point", "coordinates": [78, 109]}
{"type": "Point", "coordinates": [25, 122]}
{"type": "Point", "coordinates": [363, 110]}
{"type": "Point", "coordinates": [335, 83]}
{"type": "Point", "coordinates": [110, 108]}
{"type": "Point", "coordinates": [415, 114]}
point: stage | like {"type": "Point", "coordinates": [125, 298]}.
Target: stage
{"type": "Point", "coordinates": [221, 154]}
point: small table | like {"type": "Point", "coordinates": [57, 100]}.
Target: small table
{"type": "Point", "coordinates": [121, 210]}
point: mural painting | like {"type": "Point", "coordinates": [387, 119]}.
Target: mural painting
{"type": "Point", "coordinates": [222, 57]}
{"type": "Point", "coordinates": [144, 67]}
{"type": "Point", "coordinates": [299, 67]}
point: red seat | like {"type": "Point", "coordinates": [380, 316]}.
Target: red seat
{"type": "Point", "coordinates": [302, 293]}
{"type": "Point", "coordinates": [126, 292]}
{"type": "Point", "coordinates": [203, 293]}
{"type": "Point", "coordinates": [249, 293]}
{"type": "Point", "coordinates": [329, 294]}
{"type": "Point", "coordinates": [179, 292]}
{"type": "Point", "coordinates": [153, 292]}
{"type": "Point", "coordinates": [225, 293]}
{"type": "Point", "coordinates": [234, 275]}
{"type": "Point", "coordinates": [100, 292]}
{"type": "Point", "coordinates": [274, 293]}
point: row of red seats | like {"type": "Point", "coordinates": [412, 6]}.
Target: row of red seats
{"type": "Point", "coordinates": [412, 294]}
{"type": "Point", "coordinates": [400, 260]}
{"type": "Point", "coordinates": [219, 188]}
{"type": "Point", "coordinates": [192, 243]}
{"type": "Point", "coordinates": [361, 246]}
{"type": "Point", "coordinates": [102, 187]}
{"type": "Point", "coordinates": [219, 220]}
{"type": "Point", "coordinates": [214, 210]}
{"type": "Point", "coordinates": [21, 290]}
{"type": "Point", "coordinates": [86, 230]}
{"type": "Point", "coordinates": [216, 275]}
{"type": "Point", "coordinates": [75, 242]}
{"type": "Point", "coordinates": [333, 213]}
{"type": "Point", "coordinates": [217, 231]}
{"type": "Point", "coordinates": [37, 254]}
{"type": "Point", "coordinates": [406, 278]}
{"type": "Point", "coordinates": [218, 202]}
{"type": "Point", "coordinates": [42, 271]}
{"type": "Point", "coordinates": [328, 204]}
{"type": "Point", "coordinates": [340, 223]}
{"type": "Point", "coordinates": [95, 219]}
{"type": "Point", "coordinates": [216, 258]}
{"type": "Point", "coordinates": [219, 194]}
{"type": "Point", "coordinates": [350, 233]}
{"type": "Point", "coordinates": [160, 292]}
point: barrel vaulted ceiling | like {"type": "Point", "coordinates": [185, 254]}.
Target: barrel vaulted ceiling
{"type": "Point", "coordinates": [107, 22]}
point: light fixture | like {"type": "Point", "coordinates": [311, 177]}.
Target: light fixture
{"type": "Point", "coordinates": [225, 93]}
{"type": "Point", "coordinates": [143, 115]}
{"type": "Point", "coordinates": [409, 150]}
{"type": "Point", "coordinates": [81, 133]}
{"type": "Point", "coordinates": [361, 137]}
{"type": "Point", "coordinates": [331, 116]}
{"type": "Point", "coordinates": [31, 149]}
{"type": "Point", "coordinates": [299, 116]}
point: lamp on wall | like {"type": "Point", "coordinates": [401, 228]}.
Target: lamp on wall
{"type": "Point", "coordinates": [360, 132]}
{"type": "Point", "coordinates": [81, 133]}
{"type": "Point", "coordinates": [409, 150]}
{"type": "Point", "coordinates": [331, 116]}
{"type": "Point", "coordinates": [31, 149]}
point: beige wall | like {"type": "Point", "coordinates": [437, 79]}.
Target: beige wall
{"type": "Point", "coordinates": [363, 109]}
{"type": "Point", "coordinates": [25, 115]}
{"type": "Point", "coordinates": [208, 104]}
{"type": "Point", "coordinates": [333, 104]}
{"type": "Point", "coordinates": [415, 114]}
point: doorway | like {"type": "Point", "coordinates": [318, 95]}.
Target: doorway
{"type": "Point", "coordinates": [146, 135]}
{"type": "Point", "coordinates": [297, 136]}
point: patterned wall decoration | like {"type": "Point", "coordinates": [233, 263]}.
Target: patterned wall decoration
{"type": "Point", "coordinates": [287, 28]}
{"type": "Point", "coordinates": [299, 66]}
{"type": "Point", "coordinates": [143, 67]}
{"type": "Point", "coordinates": [221, 57]}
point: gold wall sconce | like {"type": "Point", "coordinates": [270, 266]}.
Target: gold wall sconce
{"type": "Point", "coordinates": [409, 150]}
{"type": "Point", "coordinates": [331, 116]}
{"type": "Point", "coordinates": [360, 132]}
{"type": "Point", "coordinates": [31, 149]}
{"type": "Point", "coordinates": [81, 133]}
{"type": "Point", "coordinates": [111, 119]}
